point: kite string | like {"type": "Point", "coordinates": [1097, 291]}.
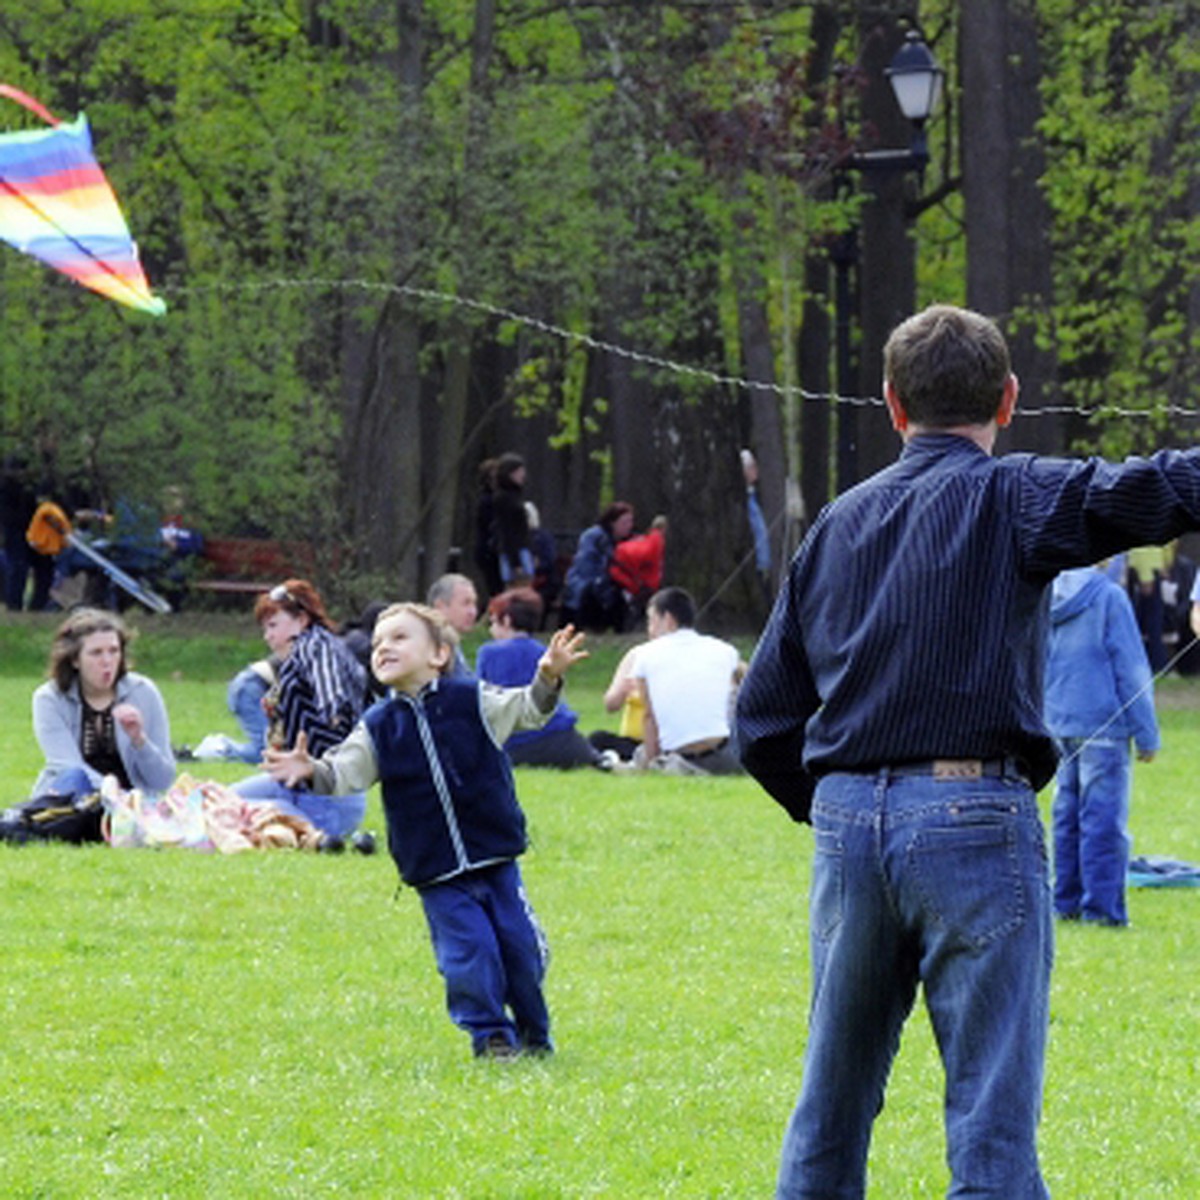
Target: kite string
{"type": "Point", "coordinates": [641, 357]}
{"type": "Point", "coordinates": [1095, 735]}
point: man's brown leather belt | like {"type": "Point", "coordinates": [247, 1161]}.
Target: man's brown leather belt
{"type": "Point", "coordinates": [961, 768]}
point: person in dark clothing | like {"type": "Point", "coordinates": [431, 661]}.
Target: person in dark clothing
{"type": "Point", "coordinates": [486, 558]}
{"type": "Point", "coordinates": [591, 597]}
{"type": "Point", "coordinates": [19, 496]}
{"type": "Point", "coordinates": [511, 521]}
{"type": "Point", "coordinates": [895, 702]}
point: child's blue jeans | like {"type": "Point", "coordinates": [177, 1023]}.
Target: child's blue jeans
{"type": "Point", "coordinates": [492, 954]}
{"type": "Point", "coordinates": [1091, 821]}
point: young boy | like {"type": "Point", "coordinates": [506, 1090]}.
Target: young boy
{"type": "Point", "coordinates": [455, 828]}
{"type": "Point", "coordinates": [1099, 695]}
{"type": "Point", "coordinates": [895, 700]}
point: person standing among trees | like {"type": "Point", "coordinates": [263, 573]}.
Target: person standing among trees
{"type": "Point", "coordinates": [895, 702]}
{"type": "Point", "coordinates": [511, 521]}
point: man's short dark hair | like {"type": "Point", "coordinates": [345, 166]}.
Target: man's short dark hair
{"type": "Point", "coordinates": [675, 602]}
{"type": "Point", "coordinates": [948, 367]}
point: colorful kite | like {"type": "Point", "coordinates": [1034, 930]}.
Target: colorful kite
{"type": "Point", "coordinates": [56, 204]}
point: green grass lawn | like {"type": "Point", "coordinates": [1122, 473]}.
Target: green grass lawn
{"type": "Point", "coordinates": [182, 1025]}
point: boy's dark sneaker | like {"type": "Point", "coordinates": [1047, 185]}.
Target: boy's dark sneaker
{"type": "Point", "coordinates": [497, 1046]}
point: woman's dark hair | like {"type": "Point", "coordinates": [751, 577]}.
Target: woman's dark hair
{"type": "Point", "coordinates": [506, 466]}
{"type": "Point", "coordinates": [295, 596]}
{"type": "Point", "coordinates": [522, 606]}
{"type": "Point", "coordinates": [68, 641]}
{"type": "Point", "coordinates": [613, 513]}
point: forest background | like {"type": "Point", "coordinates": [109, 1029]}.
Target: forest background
{"type": "Point", "coordinates": [399, 238]}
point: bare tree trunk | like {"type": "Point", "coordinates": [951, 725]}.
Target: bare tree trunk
{"type": "Point", "coordinates": [381, 427]}
{"type": "Point", "coordinates": [453, 411]}
{"type": "Point", "coordinates": [1008, 249]}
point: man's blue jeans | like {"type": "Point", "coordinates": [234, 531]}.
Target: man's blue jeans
{"type": "Point", "coordinates": [942, 883]}
{"type": "Point", "coordinates": [1091, 830]}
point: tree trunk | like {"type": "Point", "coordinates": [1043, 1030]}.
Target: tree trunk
{"type": "Point", "coordinates": [887, 269]}
{"type": "Point", "coordinates": [453, 409]}
{"type": "Point", "coordinates": [1008, 247]}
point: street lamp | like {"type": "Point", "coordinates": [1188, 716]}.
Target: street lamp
{"type": "Point", "coordinates": [916, 79]}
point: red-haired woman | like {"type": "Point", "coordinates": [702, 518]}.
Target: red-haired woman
{"type": "Point", "coordinates": [319, 692]}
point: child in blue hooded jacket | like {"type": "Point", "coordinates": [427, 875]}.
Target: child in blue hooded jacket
{"type": "Point", "coordinates": [1098, 697]}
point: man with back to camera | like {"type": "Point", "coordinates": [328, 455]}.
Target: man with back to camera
{"type": "Point", "coordinates": [687, 681]}
{"type": "Point", "coordinates": [455, 597]}
{"type": "Point", "coordinates": [895, 701]}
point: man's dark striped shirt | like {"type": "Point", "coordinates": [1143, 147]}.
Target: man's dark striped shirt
{"type": "Point", "coordinates": [912, 622]}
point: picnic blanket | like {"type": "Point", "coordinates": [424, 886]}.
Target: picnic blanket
{"type": "Point", "coordinates": [200, 816]}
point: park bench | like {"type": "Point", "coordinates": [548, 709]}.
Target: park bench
{"type": "Point", "coordinates": [246, 566]}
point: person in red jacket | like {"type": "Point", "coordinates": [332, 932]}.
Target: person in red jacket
{"type": "Point", "coordinates": [637, 567]}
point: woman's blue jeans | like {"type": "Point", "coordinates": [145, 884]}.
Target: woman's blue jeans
{"type": "Point", "coordinates": [244, 697]}
{"type": "Point", "coordinates": [1091, 830]}
{"type": "Point", "coordinates": [338, 816]}
{"type": "Point", "coordinates": [942, 883]}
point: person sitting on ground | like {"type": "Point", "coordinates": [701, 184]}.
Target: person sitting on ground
{"type": "Point", "coordinates": [95, 717]}
{"type": "Point", "coordinates": [319, 692]}
{"type": "Point", "coordinates": [511, 660]}
{"type": "Point", "coordinates": [455, 826]}
{"type": "Point", "coordinates": [591, 600]}
{"type": "Point", "coordinates": [637, 568]}
{"type": "Point", "coordinates": [455, 597]}
{"type": "Point", "coordinates": [688, 680]}
{"type": "Point", "coordinates": [624, 695]}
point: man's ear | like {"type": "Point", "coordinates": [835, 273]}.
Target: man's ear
{"type": "Point", "coordinates": [1008, 401]}
{"type": "Point", "coordinates": [895, 407]}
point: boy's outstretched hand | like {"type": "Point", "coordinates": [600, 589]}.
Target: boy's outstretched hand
{"type": "Point", "coordinates": [565, 649]}
{"type": "Point", "coordinates": [289, 767]}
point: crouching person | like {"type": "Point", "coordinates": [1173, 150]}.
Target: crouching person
{"type": "Point", "coordinates": [455, 828]}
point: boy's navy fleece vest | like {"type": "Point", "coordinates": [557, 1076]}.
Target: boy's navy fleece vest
{"type": "Point", "coordinates": [447, 786]}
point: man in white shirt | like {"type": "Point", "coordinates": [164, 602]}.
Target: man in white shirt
{"type": "Point", "coordinates": [688, 680]}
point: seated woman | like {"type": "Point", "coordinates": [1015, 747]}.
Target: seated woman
{"type": "Point", "coordinates": [591, 599]}
{"type": "Point", "coordinates": [637, 569]}
{"type": "Point", "coordinates": [510, 660]}
{"type": "Point", "coordinates": [318, 692]}
{"type": "Point", "coordinates": [624, 694]}
{"type": "Point", "coordinates": [95, 717]}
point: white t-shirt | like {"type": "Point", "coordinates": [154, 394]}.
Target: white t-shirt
{"type": "Point", "coordinates": [689, 678]}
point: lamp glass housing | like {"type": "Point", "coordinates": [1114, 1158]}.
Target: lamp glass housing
{"type": "Point", "coordinates": [916, 79]}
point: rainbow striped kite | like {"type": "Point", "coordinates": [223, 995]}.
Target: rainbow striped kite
{"type": "Point", "coordinates": [56, 204]}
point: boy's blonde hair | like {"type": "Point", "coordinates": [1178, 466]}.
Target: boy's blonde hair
{"type": "Point", "coordinates": [434, 620]}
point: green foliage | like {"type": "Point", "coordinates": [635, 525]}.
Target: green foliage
{"type": "Point", "coordinates": [1121, 126]}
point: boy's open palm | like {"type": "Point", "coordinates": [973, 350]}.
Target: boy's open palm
{"type": "Point", "coordinates": [289, 767]}
{"type": "Point", "coordinates": [565, 649]}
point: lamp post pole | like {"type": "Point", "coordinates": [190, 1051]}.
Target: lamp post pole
{"type": "Point", "coordinates": [916, 81]}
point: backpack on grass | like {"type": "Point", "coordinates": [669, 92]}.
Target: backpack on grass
{"type": "Point", "coordinates": [54, 818]}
